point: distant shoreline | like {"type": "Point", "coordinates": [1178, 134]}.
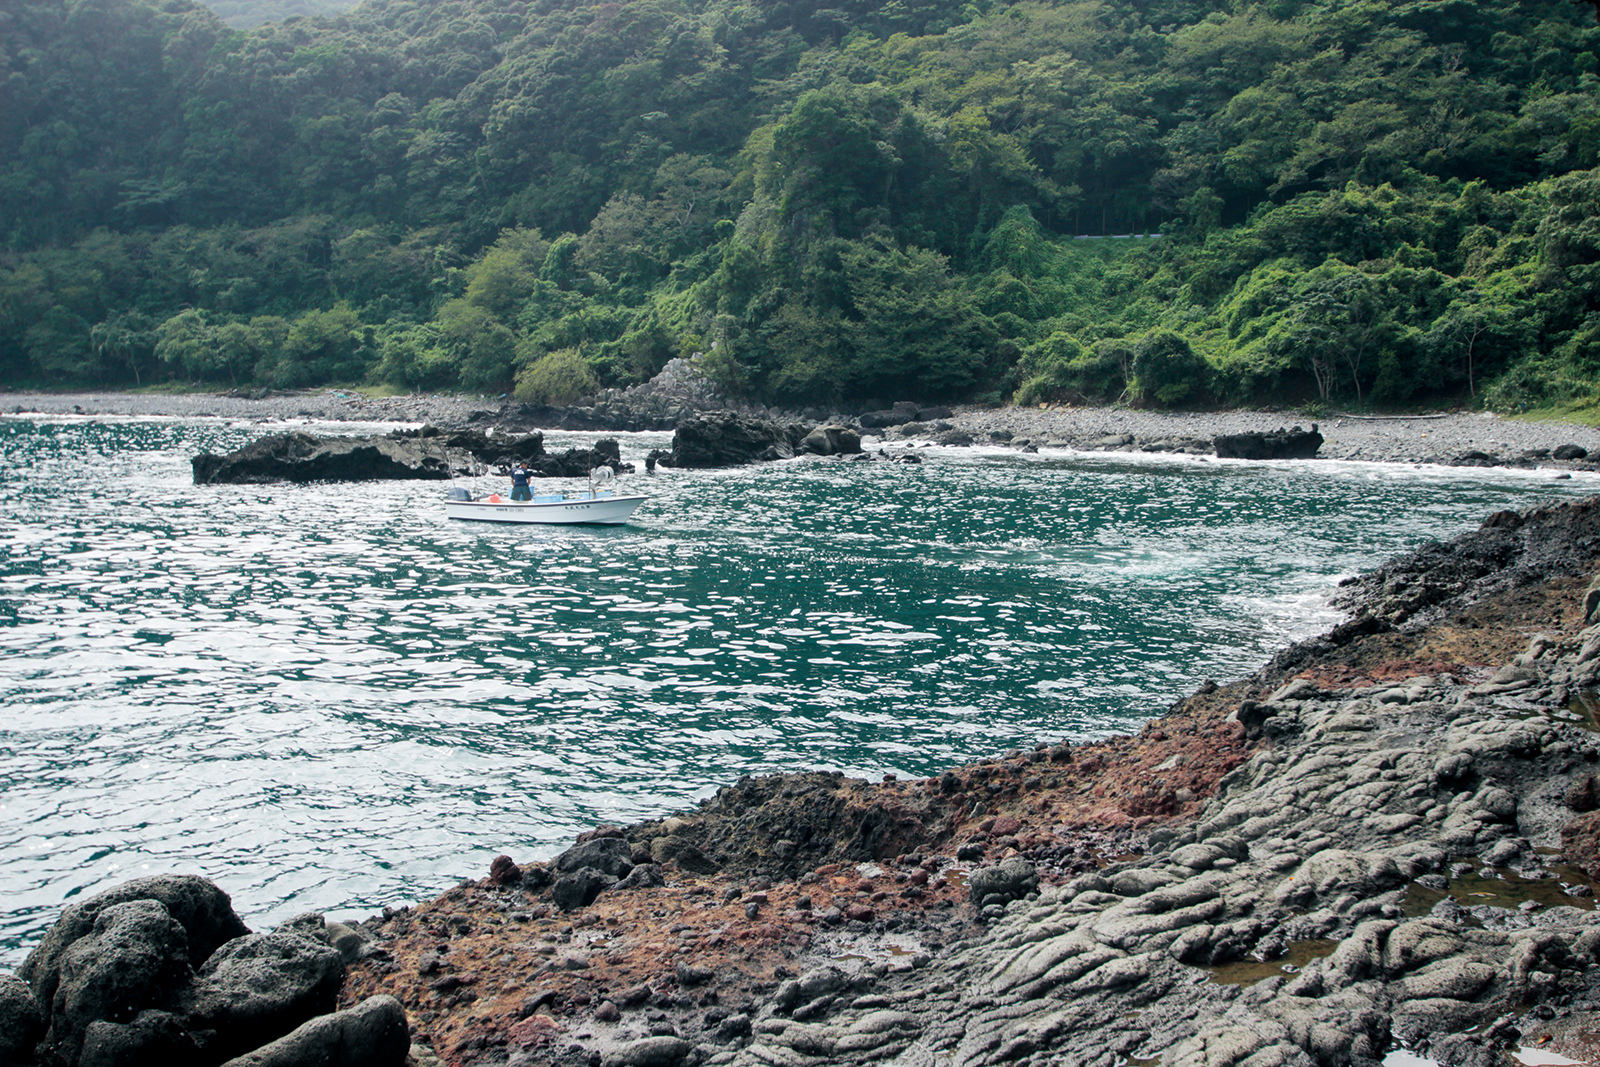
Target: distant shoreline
{"type": "Point", "coordinates": [1374, 439]}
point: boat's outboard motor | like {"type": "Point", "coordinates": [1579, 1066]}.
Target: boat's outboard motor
{"type": "Point", "coordinates": [458, 493]}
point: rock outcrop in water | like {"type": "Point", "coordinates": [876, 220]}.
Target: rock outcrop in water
{"type": "Point", "coordinates": [428, 453]}
{"type": "Point", "coordinates": [1293, 443]}
{"type": "Point", "coordinates": [161, 970]}
{"type": "Point", "coordinates": [729, 439]}
{"type": "Point", "coordinates": [303, 457]}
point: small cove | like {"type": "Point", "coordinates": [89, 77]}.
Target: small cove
{"type": "Point", "coordinates": [327, 697]}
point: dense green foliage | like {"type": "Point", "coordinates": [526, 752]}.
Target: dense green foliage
{"type": "Point", "coordinates": [247, 14]}
{"type": "Point", "coordinates": [1357, 201]}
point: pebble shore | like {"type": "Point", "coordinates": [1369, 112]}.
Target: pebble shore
{"type": "Point", "coordinates": [1397, 439]}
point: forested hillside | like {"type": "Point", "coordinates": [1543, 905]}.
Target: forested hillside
{"type": "Point", "coordinates": [1356, 201]}
{"type": "Point", "coordinates": [245, 14]}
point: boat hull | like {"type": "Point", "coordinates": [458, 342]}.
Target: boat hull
{"type": "Point", "coordinates": [603, 511]}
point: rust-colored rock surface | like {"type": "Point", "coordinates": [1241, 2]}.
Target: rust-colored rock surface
{"type": "Point", "coordinates": [774, 876]}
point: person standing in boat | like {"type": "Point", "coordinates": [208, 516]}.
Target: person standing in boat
{"type": "Point", "coordinates": [519, 482]}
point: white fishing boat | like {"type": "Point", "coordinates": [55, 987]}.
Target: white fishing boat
{"type": "Point", "coordinates": [596, 506]}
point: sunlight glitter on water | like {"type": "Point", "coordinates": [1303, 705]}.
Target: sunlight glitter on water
{"type": "Point", "coordinates": [330, 697]}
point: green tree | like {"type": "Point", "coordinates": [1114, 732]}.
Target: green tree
{"type": "Point", "coordinates": [126, 339]}
{"type": "Point", "coordinates": [1166, 369]}
{"type": "Point", "coordinates": [559, 377]}
{"type": "Point", "coordinates": [322, 346]}
{"type": "Point", "coordinates": [185, 343]}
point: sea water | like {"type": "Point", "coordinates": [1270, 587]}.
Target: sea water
{"type": "Point", "coordinates": [329, 697]}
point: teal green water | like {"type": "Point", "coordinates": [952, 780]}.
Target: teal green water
{"type": "Point", "coordinates": [330, 697]}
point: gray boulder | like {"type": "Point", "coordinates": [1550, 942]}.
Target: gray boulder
{"type": "Point", "coordinates": [21, 1020]}
{"type": "Point", "coordinates": [204, 911]}
{"type": "Point", "coordinates": [257, 988]}
{"type": "Point", "coordinates": [609, 855]}
{"type": "Point", "coordinates": [648, 1052]}
{"type": "Point", "coordinates": [135, 957]}
{"type": "Point", "coordinates": [831, 440]}
{"type": "Point", "coordinates": [1010, 880]}
{"type": "Point", "coordinates": [371, 1034]}
{"type": "Point", "coordinates": [152, 1039]}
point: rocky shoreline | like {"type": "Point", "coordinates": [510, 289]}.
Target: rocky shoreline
{"type": "Point", "coordinates": [1395, 853]}
{"type": "Point", "coordinates": [1388, 837]}
{"type": "Point", "coordinates": [1398, 439]}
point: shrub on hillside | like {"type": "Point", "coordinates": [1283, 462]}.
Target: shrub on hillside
{"type": "Point", "coordinates": [558, 377]}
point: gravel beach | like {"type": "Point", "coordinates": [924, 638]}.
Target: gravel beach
{"type": "Point", "coordinates": [1397, 439]}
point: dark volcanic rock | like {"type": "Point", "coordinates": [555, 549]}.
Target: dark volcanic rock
{"type": "Point", "coordinates": [134, 958]}
{"type": "Point", "coordinates": [832, 440]}
{"type": "Point", "coordinates": [609, 855]}
{"type": "Point", "coordinates": [1510, 549]}
{"type": "Point", "coordinates": [902, 413]}
{"type": "Point", "coordinates": [374, 1033]}
{"type": "Point", "coordinates": [152, 1037]}
{"type": "Point", "coordinates": [578, 462]}
{"type": "Point", "coordinates": [304, 457]}
{"type": "Point", "coordinates": [255, 989]}
{"type": "Point", "coordinates": [21, 1021]}
{"type": "Point", "coordinates": [499, 449]}
{"type": "Point", "coordinates": [204, 911]}
{"type": "Point", "coordinates": [428, 453]}
{"type": "Point", "coordinates": [160, 971]}
{"type": "Point", "coordinates": [728, 439]}
{"type": "Point", "coordinates": [579, 888]}
{"type": "Point", "coordinates": [1293, 443]}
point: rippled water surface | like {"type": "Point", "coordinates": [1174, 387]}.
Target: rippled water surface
{"type": "Point", "coordinates": [329, 697]}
